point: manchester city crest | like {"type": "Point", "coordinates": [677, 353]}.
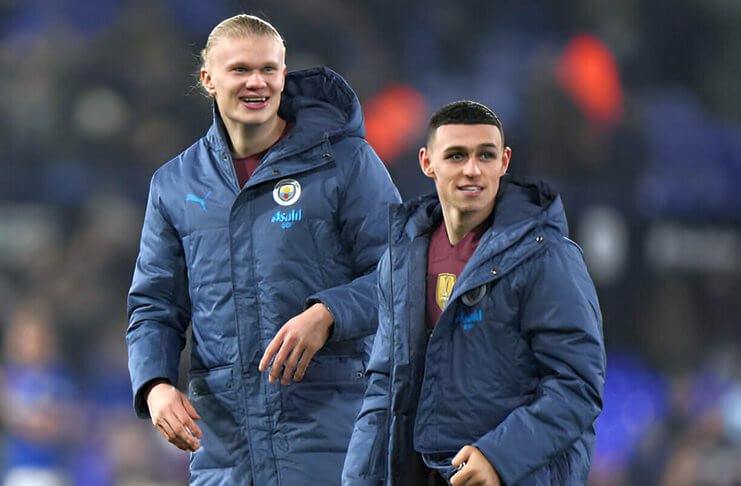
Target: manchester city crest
{"type": "Point", "coordinates": [287, 192]}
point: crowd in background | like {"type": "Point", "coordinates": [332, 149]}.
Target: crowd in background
{"type": "Point", "coordinates": [631, 109]}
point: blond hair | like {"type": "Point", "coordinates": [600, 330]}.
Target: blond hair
{"type": "Point", "coordinates": [241, 25]}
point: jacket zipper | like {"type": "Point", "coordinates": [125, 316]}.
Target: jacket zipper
{"type": "Point", "coordinates": [392, 320]}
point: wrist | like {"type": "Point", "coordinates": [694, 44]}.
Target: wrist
{"type": "Point", "coordinates": [326, 316]}
{"type": "Point", "coordinates": [149, 386]}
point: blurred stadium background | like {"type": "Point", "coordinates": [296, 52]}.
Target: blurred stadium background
{"type": "Point", "coordinates": [632, 109]}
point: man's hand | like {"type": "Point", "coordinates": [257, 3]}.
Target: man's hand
{"type": "Point", "coordinates": [477, 471]}
{"type": "Point", "coordinates": [173, 415]}
{"type": "Point", "coordinates": [296, 343]}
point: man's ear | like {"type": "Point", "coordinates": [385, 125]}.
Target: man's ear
{"type": "Point", "coordinates": [425, 163]}
{"type": "Point", "coordinates": [285, 71]}
{"type": "Point", "coordinates": [207, 82]}
{"type": "Point", "coordinates": [506, 157]}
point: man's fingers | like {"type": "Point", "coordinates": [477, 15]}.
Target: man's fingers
{"type": "Point", "coordinates": [461, 478]}
{"type": "Point", "coordinates": [272, 348]}
{"type": "Point", "coordinates": [303, 364]}
{"type": "Point", "coordinates": [189, 408]}
{"type": "Point", "coordinates": [277, 367]}
{"type": "Point", "coordinates": [168, 433]}
{"type": "Point", "coordinates": [176, 424]}
{"type": "Point", "coordinates": [290, 366]}
{"type": "Point", "coordinates": [164, 429]}
{"type": "Point", "coordinates": [192, 417]}
{"type": "Point", "coordinates": [191, 428]}
{"type": "Point", "coordinates": [183, 434]}
{"type": "Point", "coordinates": [185, 443]}
{"type": "Point", "coordinates": [194, 429]}
{"type": "Point", "coordinates": [281, 357]}
{"type": "Point", "coordinates": [462, 456]}
{"type": "Point", "coordinates": [173, 416]}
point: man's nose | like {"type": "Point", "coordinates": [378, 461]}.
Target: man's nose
{"type": "Point", "coordinates": [255, 80]}
{"type": "Point", "coordinates": [471, 167]}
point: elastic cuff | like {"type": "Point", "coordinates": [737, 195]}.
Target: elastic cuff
{"type": "Point", "coordinates": [310, 302]}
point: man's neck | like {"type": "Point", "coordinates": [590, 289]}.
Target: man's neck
{"type": "Point", "coordinates": [247, 140]}
{"type": "Point", "coordinates": [458, 224]}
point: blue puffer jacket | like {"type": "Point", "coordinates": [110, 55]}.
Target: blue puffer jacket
{"type": "Point", "coordinates": [310, 224]}
{"type": "Point", "coordinates": [515, 365]}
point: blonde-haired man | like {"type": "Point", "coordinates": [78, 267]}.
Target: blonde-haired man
{"type": "Point", "coordinates": [263, 236]}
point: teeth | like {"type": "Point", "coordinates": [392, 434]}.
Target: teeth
{"type": "Point", "coordinates": [254, 100]}
{"type": "Point", "coordinates": [470, 188]}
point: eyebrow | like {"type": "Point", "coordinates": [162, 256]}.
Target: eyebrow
{"type": "Point", "coordinates": [252, 65]}
{"type": "Point", "coordinates": [480, 146]}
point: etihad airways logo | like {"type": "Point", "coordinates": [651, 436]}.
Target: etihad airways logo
{"type": "Point", "coordinates": [287, 218]}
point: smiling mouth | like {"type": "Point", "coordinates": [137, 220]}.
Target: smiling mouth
{"type": "Point", "coordinates": [254, 101]}
{"type": "Point", "coordinates": [471, 188]}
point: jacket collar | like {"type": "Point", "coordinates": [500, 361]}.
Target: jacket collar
{"type": "Point", "coordinates": [519, 199]}
{"type": "Point", "coordinates": [524, 207]}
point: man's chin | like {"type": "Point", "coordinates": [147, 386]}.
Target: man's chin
{"type": "Point", "coordinates": [473, 209]}
{"type": "Point", "coordinates": [255, 120]}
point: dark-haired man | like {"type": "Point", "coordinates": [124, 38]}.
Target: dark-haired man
{"type": "Point", "coordinates": [498, 379]}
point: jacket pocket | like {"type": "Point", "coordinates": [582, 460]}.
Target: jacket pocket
{"type": "Point", "coordinates": [334, 369]}
{"type": "Point", "coordinates": [213, 394]}
{"type": "Point", "coordinates": [318, 413]}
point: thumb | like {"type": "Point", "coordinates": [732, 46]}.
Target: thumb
{"type": "Point", "coordinates": [462, 456]}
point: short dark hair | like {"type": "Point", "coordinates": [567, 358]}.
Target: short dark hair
{"type": "Point", "coordinates": [463, 112]}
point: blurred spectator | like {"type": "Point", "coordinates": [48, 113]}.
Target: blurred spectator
{"type": "Point", "coordinates": [38, 402]}
{"type": "Point", "coordinates": [119, 449]}
{"type": "Point", "coordinates": [695, 443]}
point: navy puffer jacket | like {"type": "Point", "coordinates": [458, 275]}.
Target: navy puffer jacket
{"type": "Point", "coordinates": [515, 365]}
{"type": "Point", "coordinates": [310, 224]}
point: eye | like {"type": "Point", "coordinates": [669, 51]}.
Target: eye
{"type": "Point", "coordinates": [455, 156]}
{"type": "Point", "coordinates": [269, 69]}
{"type": "Point", "coordinates": [240, 69]}
{"type": "Point", "coordinates": [487, 156]}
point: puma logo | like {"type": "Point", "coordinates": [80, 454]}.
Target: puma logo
{"type": "Point", "coordinates": [196, 199]}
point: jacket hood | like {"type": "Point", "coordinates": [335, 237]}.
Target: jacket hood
{"type": "Point", "coordinates": [318, 102]}
{"type": "Point", "coordinates": [322, 103]}
{"type": "Point", "coordinates": [519, 199]}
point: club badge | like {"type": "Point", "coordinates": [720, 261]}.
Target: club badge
{"type": "Point", "coordinates": [445, 282]}
{"type": "Point", "coordinates": [474, 296]}
{"type": "Point", "coordinates": [287, 192]}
